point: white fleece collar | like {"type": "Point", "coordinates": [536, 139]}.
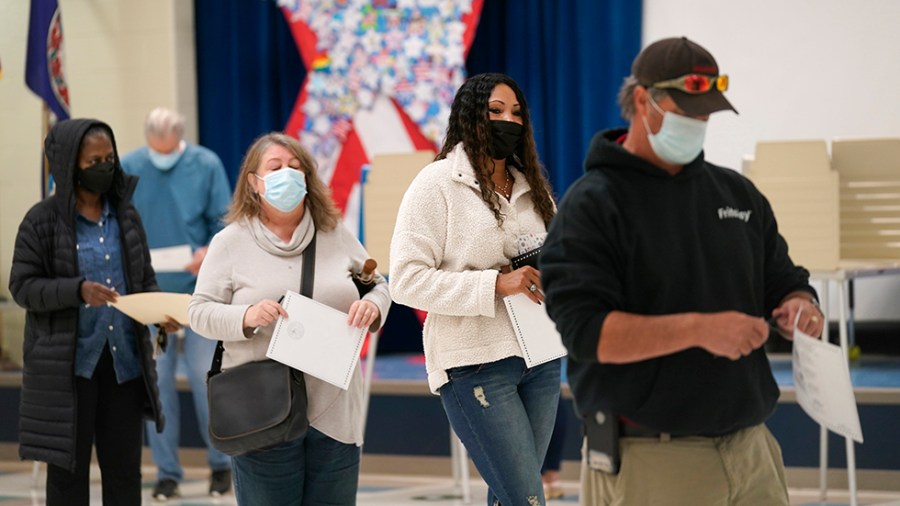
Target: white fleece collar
{"type": "Point", "coordinates": [463, 172]}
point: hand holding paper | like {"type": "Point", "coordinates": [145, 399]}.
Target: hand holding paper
{"type": "Point", "coordinates": [263, 313]}
{"type": "Point", "coordinates": [171, 325]}
{"type": "Point", "coordinates": [824, 390]}
{"type": "Point", "coordinates": [798, 312]}
{"type": "Point", "coordinates": [362, 314]}
{"type": "Point", "coordinates": [525, 280]}
{"type": "Point", "coordinates": [97, 294]}
{"type": "Point", "coordinates": [197, 260]}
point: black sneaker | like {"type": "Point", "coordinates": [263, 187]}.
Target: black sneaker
{"type": "Point", "coordinates": [165, 490]}
{"type": "Point", "coordinates": [220, 483]}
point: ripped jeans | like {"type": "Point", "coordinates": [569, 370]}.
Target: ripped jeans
{"type": "Point", "coordinates": [504, 413]}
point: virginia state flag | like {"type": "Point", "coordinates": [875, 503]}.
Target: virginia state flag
{"type": "Point", "coordinates": [44, 60]}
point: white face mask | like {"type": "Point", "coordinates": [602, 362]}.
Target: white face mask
{"type": "Point", "coordinates": [680, 138]}
{"type": "Point", "coordinates": [165, 161]}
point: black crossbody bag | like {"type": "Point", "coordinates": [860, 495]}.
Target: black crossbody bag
{"type": "Point", "coordinates": [259, 404]}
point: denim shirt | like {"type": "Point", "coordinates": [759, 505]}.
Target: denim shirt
{"type": "Point", "coordinates": [100, 259]}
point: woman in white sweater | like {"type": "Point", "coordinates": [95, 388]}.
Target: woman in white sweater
{"type": "Point", "coordinates": [483, 201]}
{"type": "Point", "coordinates": [279, 204]}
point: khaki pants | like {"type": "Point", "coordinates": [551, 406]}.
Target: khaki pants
{"type": "Point", "coordinates": [741, 469]}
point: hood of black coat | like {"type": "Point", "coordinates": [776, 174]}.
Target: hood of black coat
{"type": "Point", "coordinates": [61, 147]}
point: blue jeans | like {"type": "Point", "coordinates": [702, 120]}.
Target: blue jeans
{"type": "Point", "coordinates": [504, 412]}
{"type": "Point", "coordinates": [198, 352]}
{"type": "Point", "coordinates": [310, 471]}
{"type": "Point", "coordinates": [554, 452]}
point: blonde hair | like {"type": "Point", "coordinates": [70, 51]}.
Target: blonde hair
{"type": "Point", "coordinates": [318, 201]}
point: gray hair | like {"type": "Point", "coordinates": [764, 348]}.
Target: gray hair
{"type": "Point", "coordinates": [162, 122]}
{"type": "Point", "coordinates": [626, 96]}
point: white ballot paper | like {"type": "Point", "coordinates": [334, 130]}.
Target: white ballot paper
{"type": "Point", "coordinates": [316, 339]}
{"type": "Point", "coordinates": [153, 307]}
{"type": "Point", "coordinates": [536, 332]}
{"type": "Point", "coordinates": [824, 391]}
{"type": "Point", "coordinates": [171, 259]}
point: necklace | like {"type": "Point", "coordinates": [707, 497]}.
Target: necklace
{"type": "Point", "coordinates": [506, 185]}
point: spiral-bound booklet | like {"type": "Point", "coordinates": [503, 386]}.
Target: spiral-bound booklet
{"type": "Point", "coordinates": [316, 339]}
{"type": "Point", "coordinates": [535, 330]}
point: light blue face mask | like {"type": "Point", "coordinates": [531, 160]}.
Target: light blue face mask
{"type": "Point", "coordinates": [165, 161]}
{"type": "Point", "coordinates": [680, 138]}
{"type": "Point", "coordinates": [284, 188]}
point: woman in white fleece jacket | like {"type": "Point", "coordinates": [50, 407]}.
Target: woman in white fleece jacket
{"type": "Point", "coordinates": [483, 201]}
{"type": "Point", "coordinates": [279, 205]}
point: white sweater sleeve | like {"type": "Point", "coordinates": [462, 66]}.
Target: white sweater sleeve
{"type": "Point", "coordinates": [211, 313]}
{"type": "Point", "coordinates": [418, 250]}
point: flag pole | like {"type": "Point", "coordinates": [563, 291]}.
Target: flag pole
{"type": "Point", "coordinates": [45, 165]}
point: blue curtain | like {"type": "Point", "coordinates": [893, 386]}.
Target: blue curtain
{"type": "Point", "coordinates": [248, 75]}
{"type": "Point", "coordinates": [569, 57]}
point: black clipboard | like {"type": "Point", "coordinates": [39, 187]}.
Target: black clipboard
{"type": "Point", "coordinates": [529, 258]}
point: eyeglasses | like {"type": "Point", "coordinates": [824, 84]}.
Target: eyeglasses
{"type": "Point", "coordinates": [695, 83]}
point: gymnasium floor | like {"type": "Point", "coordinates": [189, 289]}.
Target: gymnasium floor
{"type": "Point", "coordinates": [380, 490]}
{"type": "Point", "coordinates": [16, 482]}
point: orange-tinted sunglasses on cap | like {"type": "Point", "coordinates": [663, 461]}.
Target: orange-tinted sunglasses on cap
{"type": "Point", "coordinates": [695, 83]}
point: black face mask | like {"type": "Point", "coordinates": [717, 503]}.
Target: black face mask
{"type": "Point", "coordinates": [506, 136]}
{"type": "Point", "coordinates": [97, 178]}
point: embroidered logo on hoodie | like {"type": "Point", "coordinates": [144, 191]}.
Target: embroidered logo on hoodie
{"type": "Point", "coordinates": [730, 212]}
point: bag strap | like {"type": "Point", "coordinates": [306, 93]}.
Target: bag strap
{"type": "Point", "coordinates": [307, 278]}
{"type": "Point", "coordinates": [308, 274]}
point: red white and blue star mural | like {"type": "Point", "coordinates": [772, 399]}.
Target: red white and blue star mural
{"type": "Point", "coordinates": [381, 76]}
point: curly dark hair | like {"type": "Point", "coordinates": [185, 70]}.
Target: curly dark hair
{"type": "Point", "coordinates": [469, 124]}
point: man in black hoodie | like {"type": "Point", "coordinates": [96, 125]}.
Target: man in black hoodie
{"type": "Point", "coordinates": [660, 271]}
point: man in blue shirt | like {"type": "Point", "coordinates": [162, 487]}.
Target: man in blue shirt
{"type": "Point", "coordinates": [182, 196]}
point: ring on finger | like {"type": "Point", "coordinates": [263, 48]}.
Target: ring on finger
{"type": "Point", "coordinates": [814, 319]}
{"type": "Point", "coordinates": [532, 288]}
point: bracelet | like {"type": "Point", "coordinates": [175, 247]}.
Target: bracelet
{"type": "Point", "coordinates": [815, 303]}
{"type": "Point", "coordinates": [809, 298]}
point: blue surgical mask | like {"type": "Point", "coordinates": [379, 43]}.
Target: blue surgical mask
{"type": "Point", "coordinates": [284, 188]}
{"type": "Point", "coordinates": [680, 138]}
{"type": "Point", "coordinates": [165, 161]}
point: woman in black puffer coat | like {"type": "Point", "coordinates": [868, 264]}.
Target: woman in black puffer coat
{"type": "Point", "coordinates": [89, 375]}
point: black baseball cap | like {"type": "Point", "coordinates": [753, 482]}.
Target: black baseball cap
{"type": "Point", "coordinates": [675, 57]}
